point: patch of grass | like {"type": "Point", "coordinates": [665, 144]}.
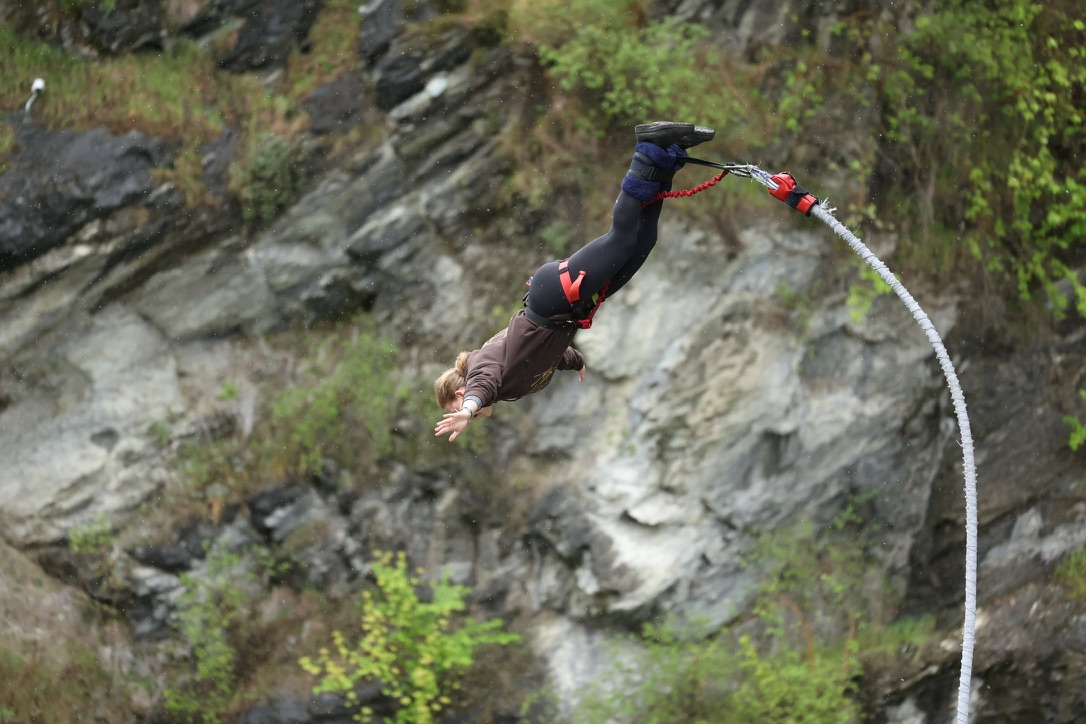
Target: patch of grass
{"type": "Point", "coordinates": [1071, 574]}
{"type": "Point", "coordinates": [338, 402]}
{"type": "Point", "coordinates": [8, 145]}
{"type": "Point", "coordinates": [179, 94]}
{"type": "Point", "coordinates": [323, 413]}
{"type": "Point", "coordinates": [185, 172]}
{"type": "Point", "coordinates": [679, 675]}
{"type": "Point", "coordinates": [891, 639]}
{"type": "Point", "coordinates": [333, 51]}
{"type": "Point", "coordinates": [41, 688]}
{"type": "Point", "coordinates": [603, 66]}
{"type": "Point", "coordinates": [94, 537]}
{"type": "Point", "coordinates": [171, 94]}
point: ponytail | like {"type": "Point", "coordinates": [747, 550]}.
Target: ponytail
{"type": "Point", "coordinates": [451, 380]}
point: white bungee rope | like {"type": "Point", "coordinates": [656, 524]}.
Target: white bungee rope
{"type": "Point", "coordinates": [825, 214]}
{"type": "Point", "coordinates": [821, 210]}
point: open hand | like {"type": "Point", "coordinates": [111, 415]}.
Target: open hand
{"type": "Point", "coordinates": [454, 422]}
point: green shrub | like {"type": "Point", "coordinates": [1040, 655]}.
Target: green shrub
{"type": "Point", "coordinates": [812, 616]}
{"type": "Point", "coordinates": [998, 156]}
{"type": "Point", "coordinates": [337, 406]}
{"type": "Point", "coordinates": [633, 75]}
{"type": "Point", "coordinates": [676, 677]}
{"type": "Point", "coordinates": [1078, 430]}
{"type": "Point", "coordinates": [94, 537]}
{"type": "Point", "coordinates": [269, 176]}
{"type": "Point", "coordinates": [790, 687]}
{"type": "Point", "coordinates": [1071, 574]}
{"type": "Point", "coordinates": [210, 610]}
{"type": "Point", "coordinates": [322, 415]}
{"type": "Point", "coordinates": [410, 646]}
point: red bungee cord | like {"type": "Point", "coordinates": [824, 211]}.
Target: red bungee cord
{"type": "Point", "coordinates": [687, 192]}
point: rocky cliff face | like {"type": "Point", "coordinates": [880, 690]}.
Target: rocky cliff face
{"type": "Point", "coordinates": [714, 408]}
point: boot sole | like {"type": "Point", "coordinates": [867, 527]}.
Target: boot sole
{"type": "Point", "coordinates": [663, 133]}
{"type": "Point", "coordinates": [700, 134]}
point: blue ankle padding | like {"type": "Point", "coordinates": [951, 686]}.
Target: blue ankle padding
{"type": "Point", "coordinates": [679, 153]}
{"type": "Point", "coordinates": [640, 189]}
{"type": "Point", "coordinates": [662, 158]}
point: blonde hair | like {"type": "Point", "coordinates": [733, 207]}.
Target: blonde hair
{"type": "Point", "coordinates": [451, 380]}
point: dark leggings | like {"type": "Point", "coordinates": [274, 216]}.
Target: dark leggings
{"type": "Point", "coordinates": [616, 256]}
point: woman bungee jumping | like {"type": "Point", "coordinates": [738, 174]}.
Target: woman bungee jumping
{"type": "Point", "coordinates": [564, 295]}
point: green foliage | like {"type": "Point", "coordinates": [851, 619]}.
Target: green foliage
{"type": "Point", "coordinates": [205, 463]}
{"type": "Point", "coordinates": [229, 390]}
{"type": "Point", "coordinates": [889, 640]}
{"type": "Point", "coordinates": [1078, 430]}
{"type": "Point", "coordinates": [1000, 152]}
{"type": "Point", "coordinates": [170, 94]}
{"type": "Point", "coordinates": [863, 294]}
{"type": "Point", "coordinates": [812, 607]}
{"type": "Point", "coordinates": [802, 95]}
{"type": "Point", "coordinates": [408, 645]}
{"type": "Point", "coordinates": [8, 145]}
{"type": "Point", "coordinates": [788, 687]}
{"type": "Point", "coordinates": [811, 612]}
{"type": "Point", "coordinates": [1071, 574]}
{"type": "Point", "coordinates": [93, 537]}
{"type": "Point", "coordinates": [333, 49]}
{"type": "Point", "coordinates": [676, 677]}
{"type": "Point", "coordinates": [321, 416]}
{"type": "Point", "coordinates": [179, 94]}
{"type": "Point", "coordinates": [269, 176]}
{"type": "Point", "coordinates": [633, 74]}
{"type": "Point", "coordinates": [159, 431]}
{"type": "Point", "coordinates": [210, 610]}
{"type": "Point", "coordinates": [338, 405]}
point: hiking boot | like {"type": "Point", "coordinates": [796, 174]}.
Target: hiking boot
{"type": "Point", "coordinates": [700, 134]}
{"type": "Point", "coordinates": [664, 133]}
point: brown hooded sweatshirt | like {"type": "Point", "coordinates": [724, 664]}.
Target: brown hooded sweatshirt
{"type": "Point", "coordinates": [519, 360]}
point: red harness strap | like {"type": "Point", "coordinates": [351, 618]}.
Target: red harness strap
{"type": "Point", "coordinates": [583, 309]}
{"type": "Point", "coordinates": [570, 287]}
{"type": "Point", "coordinates": [600, 296]}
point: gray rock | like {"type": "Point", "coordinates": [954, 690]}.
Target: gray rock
{"type": "Point", "coordinates": [215, 293]}
{"type": "Point", "coordinates": [270, 34]}
{"type": "Point", "coordinates": [61, 180]}
{"type": "Point", "coordinates": [128, 25]}
{"type": "Point", "coordinates": [114, 373]}
{"type": "Point", "coordinates": [381, 22]}
{"type": "Point", "coordinates": [399, 76]}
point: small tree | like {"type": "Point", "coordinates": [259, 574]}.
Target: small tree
{"type": "Point", "coordinates": [408, 645]}
{"type": "Point", "coordinates": [208, 610]}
